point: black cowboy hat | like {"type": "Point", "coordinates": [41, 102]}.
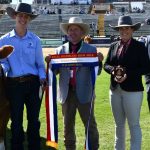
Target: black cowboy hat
{"type": "Point", "coordinates": [23, 8]}
{"type": "Point", "coordinates": [126, 21]}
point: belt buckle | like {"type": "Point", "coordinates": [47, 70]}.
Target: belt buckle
{"type": "Point", "coordinates": [21, 79]}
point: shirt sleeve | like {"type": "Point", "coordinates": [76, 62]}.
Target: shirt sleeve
{"type": "Point", "coordinates": [40, 60]}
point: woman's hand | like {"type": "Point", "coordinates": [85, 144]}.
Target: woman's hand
{"type": "Point", "coordinates": [121, 79]}
{"type": "Point", "coordinates": [119, 74]}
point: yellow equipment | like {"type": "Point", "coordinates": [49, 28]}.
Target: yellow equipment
{"type": "Point", "coordinates": [101, 9]}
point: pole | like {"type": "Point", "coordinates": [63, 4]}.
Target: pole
{"type": "Point", "coordinates": [129, 6]}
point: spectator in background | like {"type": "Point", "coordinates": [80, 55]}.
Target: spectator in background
{"type": "Point", "coordinates": [142, 39]}
{"type": "Point", "coordinates": [26, 71]}
{"type": "Point", "coordinates": [146, 41]}
{"type": "Point", "coordinates": [87, 39]}
{"type": "Point", "coordinates": [64, 39]}
{"type": "Point", "coordinates": [112, 38]}
{"type": "Point", "coordinates": [126, 62]}
{"type": "Point", "coordinates": [97, 30]}
{"type": "Point", "coordinates": [147, 76]}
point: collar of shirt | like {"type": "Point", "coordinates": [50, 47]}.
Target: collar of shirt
{"type": "Point", "coordinates": [13, 33]}
{"type": "Point", "coordinates": [122, 44]}
{"type": "Point", "coordinates": [74, 45]}
{"type": "Point", "coordinates": [125, 43]}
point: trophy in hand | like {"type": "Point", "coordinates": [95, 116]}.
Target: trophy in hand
{"type": "Point", "coordinates": [119, 73]}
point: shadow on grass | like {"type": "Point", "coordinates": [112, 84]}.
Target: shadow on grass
{"type": "Point", "coordinates": [43, 142]}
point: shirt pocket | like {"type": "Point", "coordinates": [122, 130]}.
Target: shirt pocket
{"type": "Point", "coordinates": [29, 54]}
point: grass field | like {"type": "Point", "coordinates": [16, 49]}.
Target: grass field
{"type": "Point", "coordinates": [104, 120]}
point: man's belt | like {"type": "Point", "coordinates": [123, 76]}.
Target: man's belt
{"type": "Point", "coordinates": [23, 78]}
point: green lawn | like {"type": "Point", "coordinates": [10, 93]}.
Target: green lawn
{"type": "Point", "coordinates": [104, 120]}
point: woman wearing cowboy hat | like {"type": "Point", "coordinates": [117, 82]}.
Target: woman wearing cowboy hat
{"type": "Point", "coordinates": [126, 62]}
{"type": "Point", "coordinates": [26, 71]}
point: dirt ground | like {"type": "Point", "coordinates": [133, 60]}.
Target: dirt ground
{"type": "Point", "coordinates": [47, 51]}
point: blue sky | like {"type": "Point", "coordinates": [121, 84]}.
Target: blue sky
{"type": "Point", "coordinates": [26, 1]}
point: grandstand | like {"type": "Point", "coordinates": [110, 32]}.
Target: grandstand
{"type": "Point", "coordinates": [47, 26]}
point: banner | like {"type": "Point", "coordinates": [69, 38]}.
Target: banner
{"type": "Point", "coordinates": [59, 61]}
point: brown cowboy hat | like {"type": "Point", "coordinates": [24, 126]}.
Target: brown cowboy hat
{"type": "Point", "coordinates": [126, 21]}
{"type": "Point", "coordinates": [5, 51]}
{"type": "Point", "coordinates": [21, 8]}
{"type": "Point", "coordinates": [75, 21]}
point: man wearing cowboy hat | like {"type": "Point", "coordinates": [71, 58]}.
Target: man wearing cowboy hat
{"type": "Point", "coordinates": [126, 62]}
{"type": "Point", "coordinates": [75, 85]}
{"type": "Point", "coordinates": [25, 72]}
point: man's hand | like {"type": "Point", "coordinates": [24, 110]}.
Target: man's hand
{"type": "Point", "coordinates": [43, 83]}
{"type": "Point", "coordinates": [48, 59]}
{"type": "Point", "coordinates": [100, 56]}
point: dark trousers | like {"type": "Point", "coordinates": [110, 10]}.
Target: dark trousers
{"type": "Point", "coordinates": [20, 93]}
{"type": "Point", "coordinates": [69, 109]}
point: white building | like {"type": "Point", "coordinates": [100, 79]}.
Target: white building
{"type": "Point", "coordinates": [70, 1]}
